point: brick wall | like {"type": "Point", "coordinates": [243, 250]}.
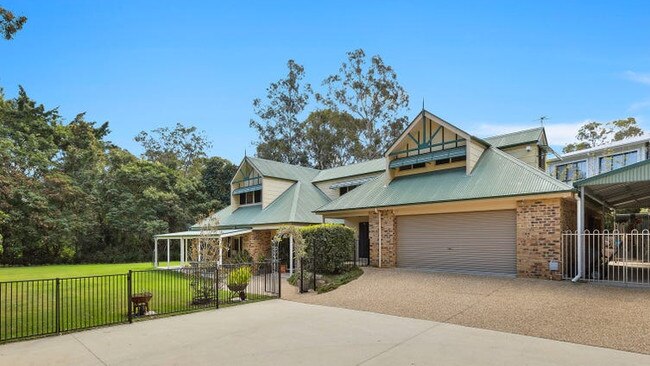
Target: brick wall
{"type": "Point", "coordinates": [388, 238]}
{"type": "Point", "coordinates": [258, 243]}
{"type": "Point", "coordinates": [539, 233]}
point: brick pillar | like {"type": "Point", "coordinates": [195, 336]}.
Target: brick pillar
{"type": "Point", "coordinates": [539, 234]}
{"type": "Point", "coordinates": [388, 238]}
{"type": "Point", "coordinates": [258, 243]}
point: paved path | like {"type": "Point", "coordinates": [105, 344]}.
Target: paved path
{"type": "Point", "coordinates": [591, 314]}
{"type": "Point", "coordinates": [279, 332]}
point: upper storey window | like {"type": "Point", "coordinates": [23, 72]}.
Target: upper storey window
{"type": "Point", "coordinates": [571, 171]}
{"type": "Point", "coordinates": [250, 198]}
{"type": "Point", "coordinates": [609, 163]}
{"type": "Point", "coordinates": [247, 184]}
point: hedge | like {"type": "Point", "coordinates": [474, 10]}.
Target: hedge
{"type": "Point", "coordinates": [333, 244]}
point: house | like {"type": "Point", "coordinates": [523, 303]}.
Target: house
{"type": "Point", "coordinates": [587, 163]}
{"type": "Point", "coordinates": [439, 199]}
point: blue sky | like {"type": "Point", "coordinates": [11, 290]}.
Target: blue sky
{"type": "Point", "coordinates": [488, 67]}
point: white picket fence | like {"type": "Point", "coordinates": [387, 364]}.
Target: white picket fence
{"type": "Point", "coordinates": [615, 257]}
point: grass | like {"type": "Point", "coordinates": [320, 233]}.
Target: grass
{"type": "Point", "coordinates": [29, 307]}
{"type": "Point", "coordinates": [329, 282]}
{"type": "Point", "coordinates": [70, 270]}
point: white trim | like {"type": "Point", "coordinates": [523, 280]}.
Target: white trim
{"type": "Point", "coordinates": [432, 117]}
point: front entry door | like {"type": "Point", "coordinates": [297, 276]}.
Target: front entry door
{"type": "Point", "coordinates": [364, 243]}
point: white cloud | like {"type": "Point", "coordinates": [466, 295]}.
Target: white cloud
{"type": "Point", "coordinates": [637, 77]}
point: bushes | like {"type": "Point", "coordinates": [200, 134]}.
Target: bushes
{"type": "Point", "coordinates": [331, 244]}
{"type": "Point", "coordinates": [240, 276]}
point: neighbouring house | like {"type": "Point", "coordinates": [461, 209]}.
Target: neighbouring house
{"type": "Point", "coordinates": [440, 199]}
{"type": "Point", "coordinates": [587, 163]}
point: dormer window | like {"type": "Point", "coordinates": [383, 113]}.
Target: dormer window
{"type": "Point", "coordinates": [344, 190]}
{"type": "Point", "coordinates": [250, 198]}
{"type": "Point", "coordinates": [412, 166]}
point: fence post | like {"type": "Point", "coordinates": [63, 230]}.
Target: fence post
{"type": "Point", "coordinates": [57, 306]}
{"type": "Point", "coordinates": [216, 282]}
{"type": "Point", "coordinates": [129, 289]}
{"type": "Point", "coordinates": [279, 279]}
{"type": "Point", "coordinates": [314, 270]}
{"type": "Point", "coordinates": [302, 271]}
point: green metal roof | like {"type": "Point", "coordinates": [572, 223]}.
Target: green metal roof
{"type": "Point", "coordinates": [434, 155]}
{"type": "Point", "coordinates": [516, 138]}
{"type": "Point", "coordinates": [637, 172]}
{"type": "Point", "coordinates": [275, 169]}
{"type": "Point", "coordinates": [627, 187]}
{"type": "Point", "coordinates": [295, 205]}
{"type": "Point", "coordinates": [497, 174]}
{"type": "Point", "coordinates": [367, 167]}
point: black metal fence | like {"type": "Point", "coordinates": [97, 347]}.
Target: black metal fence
{"type": "Point", "coordinates": [53, 306]}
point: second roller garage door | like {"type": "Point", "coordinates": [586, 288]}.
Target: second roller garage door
{"type": "Point", "coordinates": [458, 242]}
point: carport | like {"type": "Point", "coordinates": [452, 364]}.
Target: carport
{"type": "Point", "coordinates": [611, 256]}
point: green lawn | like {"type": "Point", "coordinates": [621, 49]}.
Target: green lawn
{"type": "Point", "coordinates": [70, 270]}
{"type": "Point", "coordinates": [29, 307]}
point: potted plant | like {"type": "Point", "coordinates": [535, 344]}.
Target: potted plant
{"type": "Point", "coordinates": [238, 280]}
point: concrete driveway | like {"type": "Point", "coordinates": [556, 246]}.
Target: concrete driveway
{"type": "Point", "coordinates": [590, 314]}
{"type": "Point", "coordinates": [279, 332]}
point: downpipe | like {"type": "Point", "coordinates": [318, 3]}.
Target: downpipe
{"type": "Point", "coordinates": [580, 236]}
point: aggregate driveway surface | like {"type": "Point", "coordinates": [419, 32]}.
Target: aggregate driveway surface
{"type": "Point", "coordinates": [279, 332]}
{"type": "Point", "coordinates": [590, 314]}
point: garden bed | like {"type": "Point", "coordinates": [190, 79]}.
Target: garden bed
{"type": "Point", "coordinates": [327, 282]}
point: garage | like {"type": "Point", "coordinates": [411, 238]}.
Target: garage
{"type": "Point", "coordinates": [459, 242]}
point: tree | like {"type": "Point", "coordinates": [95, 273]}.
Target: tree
{"type": "Point", "coordinates": [216, 177]}
{"type": "Point", "coordinates": [593, 133]}
{"type": "Point", "coordinates": [575, 147]}
{"type": "Point", "coordinates": [10, 24]}
{"type": "Point", "coordinates": [177, 148]}
{"type": "Point", "coordinates": [372, 94]}
{"type": "Point", "coordinates": [331, 138]}
{"type": "Point", "coordinates": [626, 128]}
{"type": "Point", "coordinates": [279, 127]}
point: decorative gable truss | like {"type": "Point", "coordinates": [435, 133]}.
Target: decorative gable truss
{"type": "Point", "coordinates": [247, 179]}
{"type": "Point", "coordinates": [431, 141]}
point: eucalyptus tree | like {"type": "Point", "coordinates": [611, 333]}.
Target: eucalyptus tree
{"type": "Point", "coordinates": [371, 93]}
{"type": "Point", "coordinates": [279, 127]}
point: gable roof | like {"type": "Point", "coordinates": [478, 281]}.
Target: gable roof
{"type": "Point", "coordinates": [435, 119]}
{"type": "Point", "coordinates": [276, 169]}
{"type": "Point", "coordinates": [295, 205]}
{"type": "Point", "coordinates": [497, 174]}
{"type": "Point", "coordinates": [366, 167]}
{"type": "Point", "coordinates": [517, 138]}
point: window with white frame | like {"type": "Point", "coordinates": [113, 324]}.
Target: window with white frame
{"type": "Point", "coordinates": [570, 172]}
{"type": "Point", "coordinates": [611, 162]}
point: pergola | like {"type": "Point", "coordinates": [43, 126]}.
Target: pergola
{"type": "Point", "coordinates": [185, 236]}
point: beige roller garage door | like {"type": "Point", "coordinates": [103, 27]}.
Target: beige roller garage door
{"type": "Point", "coordinates": [458, 242]}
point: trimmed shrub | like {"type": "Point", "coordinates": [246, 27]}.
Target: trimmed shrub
{"type": "Point", "coordinates": [331, 244]}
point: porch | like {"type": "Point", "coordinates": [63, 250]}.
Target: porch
{"type": "Point", "coordinates": [194, 245]}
